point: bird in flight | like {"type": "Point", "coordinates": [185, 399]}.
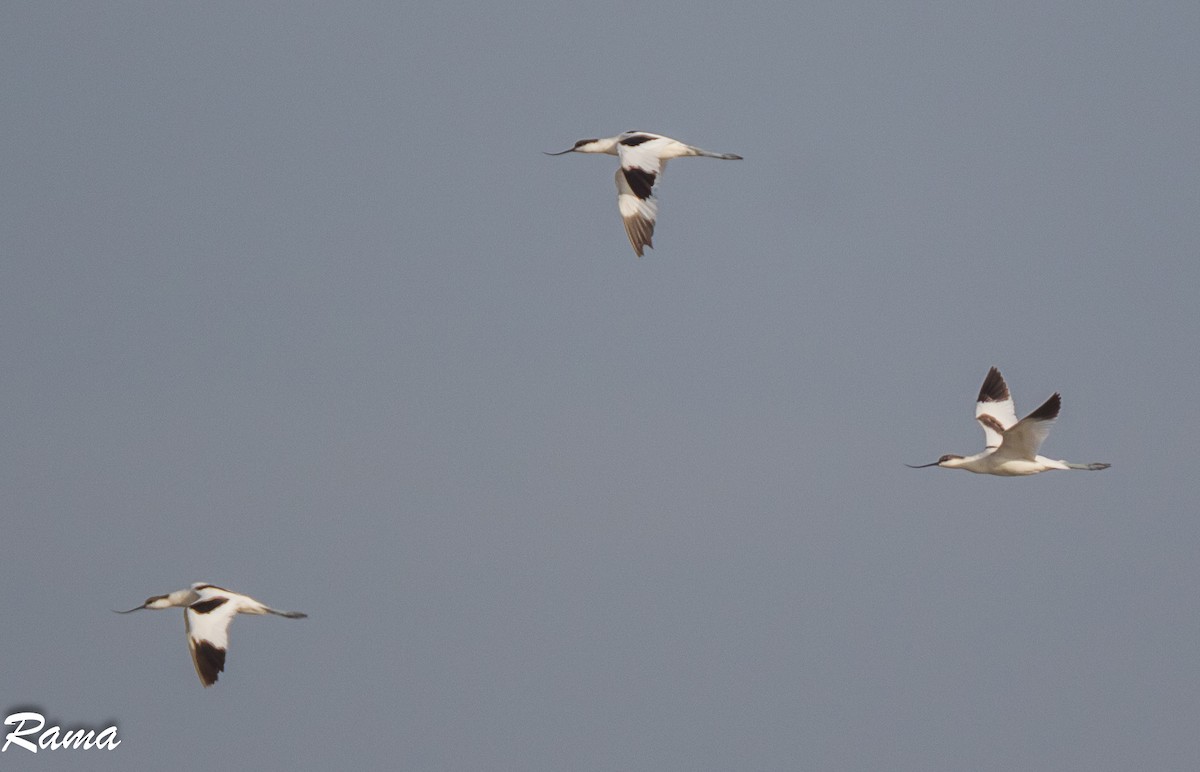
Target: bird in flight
{"type": "Point", "coordinates": [643, 158]}
{"type": "Point", "coordinates": [1012, 445]}
{"type": "Point", "coordinates": [208, 611]}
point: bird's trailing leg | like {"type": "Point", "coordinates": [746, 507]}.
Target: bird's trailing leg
{"type": "Point", "coordinates": [1087, 467]}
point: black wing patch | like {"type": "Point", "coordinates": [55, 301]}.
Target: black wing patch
{"type": "Point", "coordinates": [641, 182]}
{"type": "Point", "coordinates": [209, 662]}
{"type": "Point", "coordinates": [208, 606]}
{"type": "Point", "coordinates": [994, 389]}
{"type": "Point", "coordinates": [635, 140]}
{"type": "Point", "coordinates": [1049, 409]}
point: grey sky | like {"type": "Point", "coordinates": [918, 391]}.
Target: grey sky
{"type": "Point", "coordinates": [291, 302]}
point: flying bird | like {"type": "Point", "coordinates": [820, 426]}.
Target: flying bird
{"type": "Point", "coordinates": [643, 158]}
{"type": "Point", "coordinates": [208, 611]}
{"type": "Point", "coordinates": [1012, 445]}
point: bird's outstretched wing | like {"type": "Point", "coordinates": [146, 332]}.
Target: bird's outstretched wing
{"type": "Point", "coordinates": [1024, 439]}
{"type": "Point", "coordinates": [996, 403]}
{"type": "Point", "coordinates": [637, 181]}
{"type": "Point", "coordinates": [207, 624]}
{"type": "Point", "coordinates": [638, 206]}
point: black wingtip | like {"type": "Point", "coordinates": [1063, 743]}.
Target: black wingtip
{"type": "Point", "coordinates": [1049, 409]}
{"type": "Point", "coordinates": [994, 389]}
{"type": "Point", "coordinates": [210, 662]}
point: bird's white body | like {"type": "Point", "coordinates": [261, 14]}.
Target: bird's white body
{"type": "Point", "coordinates": [643, 157]}
{"type": "Point", "coordinates": [991, 462]}
{"type": "Point", "coordinates": [208, 611]}
{"type": "Point", "coordinates": [1011, 445]}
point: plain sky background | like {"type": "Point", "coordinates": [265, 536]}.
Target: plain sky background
{"type": "Point", "coordinates": [291, 302]}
